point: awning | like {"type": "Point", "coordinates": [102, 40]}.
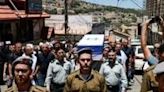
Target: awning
{"type": "Point", "coordinates": [22, 14]}
{"type": "Point", "coordinates": [6, 13]}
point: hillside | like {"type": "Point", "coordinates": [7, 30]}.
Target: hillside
{"type": "Point", "coordinates": [82, 7]}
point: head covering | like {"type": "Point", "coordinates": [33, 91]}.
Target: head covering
{"type": "Point", "coordinates": [159, 68]}
{"type": "Point", "coordinates": [84, 50]}
{"type": "Point", "coordinates": [23, 60]}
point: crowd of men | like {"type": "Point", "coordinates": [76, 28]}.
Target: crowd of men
{"type": "Point", "coordinates": [61, 67]}
{"type": "Point", "coordinates": [53, 63]}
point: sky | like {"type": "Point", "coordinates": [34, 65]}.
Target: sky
{"type": "Point", "coordinates": [135, 4]}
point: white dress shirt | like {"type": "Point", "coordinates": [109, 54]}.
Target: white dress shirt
{"type": "Point", "coordinates": [115, 75]}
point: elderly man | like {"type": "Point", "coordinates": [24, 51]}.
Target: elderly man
{"type": "Point", "coordinates": [22, 70]}
{"type": "Point", "coordinates": [85, 79]}
{"type": "Point", "coordinates": [28, 51]}
{"type": "Point", "coordinates": [44, 58]}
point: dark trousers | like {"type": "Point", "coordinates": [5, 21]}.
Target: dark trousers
{"type": "Point", "coordinates": [54, 87]}
{"type": "Point", "coordinates": [40, 79]}
{"type": "Point", "coordinates": [113, 88]}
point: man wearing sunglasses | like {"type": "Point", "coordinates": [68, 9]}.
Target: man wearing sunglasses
{"type": "Point", "coordinates": [85, 79]}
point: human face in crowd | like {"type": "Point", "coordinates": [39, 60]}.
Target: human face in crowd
{"type": "Point", "coordinates": [125, 42]}
{"type": "Point", "coordinates": [18, 47]}
{"type": "Point", "coordinates": [45, 48]}
{"type": "Point", "coordinates": [161, 52]}
{"type": "Point", "coordinates": [118, 47]}
{"type": "Point", "coordinates": [105, 51]}
{"type": "Point", "coordinates": [112, 56]}
{"type": "Point", "coordinates": [57, 45]}
{"type": "Point", "coordinates": [161, 56]}
{"type": "Point", "coordinates": [160, 79]}
{"type": "Point", "coordinates": [60, 54]}
{"type": "Point", "coordinates": [12, 48]}
{"type": "Point", "coordinates": [85, 61]}
{"type": "Point", "coordinates": [156, 48]}
{"type": "Point", "coordinates": [28, 50]}
{"type": "Point", "coordinates": [22, 74]}
{"type": "Point", "coordinates": [112, 43]}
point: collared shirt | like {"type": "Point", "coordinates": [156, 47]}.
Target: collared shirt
{"type": "Point", "coordinates": [33, 88]}
{"type": "Point", "coordinates": [122, 58]}
{"type": "Point", "coordinates": [57, 73]}
{"type": "Point", "coordinates": [34, 59]}
{"type": "Point", "coordinates": [76, 83]}
{"type": "Point", "coordinates": [115, 75]}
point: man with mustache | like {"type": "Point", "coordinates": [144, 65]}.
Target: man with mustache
{"type": "Point", "coordinates": [114, 73]}
{"type": "Point", "coordinates": [85, 79]}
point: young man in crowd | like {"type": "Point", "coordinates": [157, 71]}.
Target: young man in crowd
{"type": "Point", "coordinates": [114, 73]}
{"type": "Point", "coordinates": [85, 79]}
{"type": "Point", "coordinates": [22, 70]}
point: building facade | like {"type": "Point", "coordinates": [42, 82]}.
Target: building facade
{"type": "Point", "coordinates": [155, 8]}
{"type": "Point", "coordinates": [17, 25]}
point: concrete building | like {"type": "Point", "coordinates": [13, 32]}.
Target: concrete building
{"type": "Point", "coordinates": [155, 7]}
{"type": "Point", "coordinates": [79, 25]}
{"type": "Point", "coordinates": [18, 25]}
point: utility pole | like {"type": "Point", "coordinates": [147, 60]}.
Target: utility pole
{"type": "Point", "coordinates": [66, 18]}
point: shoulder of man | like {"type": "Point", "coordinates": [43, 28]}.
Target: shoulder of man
{"type": "Point", "coordinates": [149, 73]}
{"type": "Point", "coordinates": [97, 74]}
{"type": "Point", "coordinates": [150, 68]}
{"type": "Point", "coordinates": [38, 89]}
{"type": "Point", "coordinates": [74, 73]}
{"type": "Point", "coordinates": [53, 61]}
{"type": "Point", "coordinates": [10, 89]}
{"type": "Point", "coordinates": [105, 63]}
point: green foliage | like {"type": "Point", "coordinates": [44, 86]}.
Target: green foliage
{"type": "Point", "coordinates": [134, 19]}
{"type": "Point", "coordinates": [80, 7]}
{"type": "Point", "coordinates": [53, 11]}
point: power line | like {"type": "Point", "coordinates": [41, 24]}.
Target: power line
{"type": "Point", "coordinates": [117, 2]}
{"type": "Point", "coordinates": [136, 4]}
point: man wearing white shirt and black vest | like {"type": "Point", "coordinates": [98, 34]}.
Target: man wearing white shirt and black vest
{"type": "Point", "coordinates": [114, 73]}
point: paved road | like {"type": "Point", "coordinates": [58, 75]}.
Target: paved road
{"type": "Point", "coordinates": [136, 86]}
